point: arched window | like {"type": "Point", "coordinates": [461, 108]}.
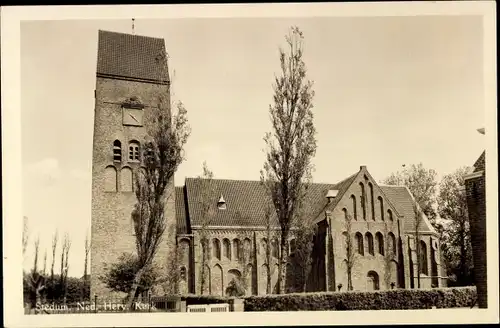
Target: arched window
{"type": "Point", "coordinates": [369, 242]}
{"type": "Point", "coordinates": [263, 246]}
{"type": "Point", "coordinates": [274, 248]}
{"type": "Point", "coordinates": [354, 207]}
{"type": "Point", "coordinates": [292, 246]}
{"type": "Point", "coordinates": [392, 244]}
{"type": "Point", "coordinates": [226, 248]}
{"type": "Point", "coordinates": [363, 199]}
{"type": "Point", "coordinates": [423, 258]}
{"type": "Point", "coordinates": [372, 281]}
{"type": "Point", "coordinates": [110, 179]}
{"type": "Point", "coordinates": [126, 179]}
{"type": "Point", "coordinates": [236, 248]}
{"type": "Point", "coordinates": [133, 151]}
{"type": "Point", "coordinates": [346, 215]}
{"type": "Point", "coordinates": [359, 243]}
{"type": "Point", "coordinates": [216, 248]}
{"type": "Point", "coordinates": [117, 151]}
{"type": "Point", "coordinates": [372, 200]}
{"type": "Point", "coordinates": [381, 206]}
{"type": "Point", "coordinates": [247, 247]}
{"type": "Point", "coordinates": [389, 212]}
{"type": "Point", "coordinates": [380, 243]}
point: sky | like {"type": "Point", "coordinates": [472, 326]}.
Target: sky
{"type": "Point", "coordinates": [388, 91]}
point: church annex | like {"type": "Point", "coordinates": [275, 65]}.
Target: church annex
{"type": "Point", "coordinates": [383, 218]}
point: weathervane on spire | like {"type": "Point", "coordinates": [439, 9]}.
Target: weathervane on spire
{"type": "Point", "coordinates": [133, 26]}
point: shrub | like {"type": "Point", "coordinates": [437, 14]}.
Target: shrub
{"type": "Point", "coordinates": [399, 299]}
{"type": "Point", "coordinates": [235, 289]}
{"type": "Point", "coordinates": [119, 276]}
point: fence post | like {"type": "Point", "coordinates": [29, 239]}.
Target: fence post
{"type": "Point", "coordinates": [237, 305]}
{"type": "Point", "coordinates": [95, 303]}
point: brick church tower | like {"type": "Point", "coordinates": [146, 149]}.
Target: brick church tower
{"type": "Point", "coordinates": [131, 74]}
{"type": "Point", "coordinates": [475, 186]}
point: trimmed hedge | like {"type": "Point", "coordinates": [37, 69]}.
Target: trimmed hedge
{"type": "Point", "coordinates": [398, 299]}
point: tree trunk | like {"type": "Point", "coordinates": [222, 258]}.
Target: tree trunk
{"type": "Point", "coordinates": [269, 288]}
{"type": "Point", "coordinates": [304, 278]}
{"type": "Point", "coordinates": [349, 279]}
{"type": "Point", "coordinates": [418, 263]}
{"type": "Point", "coordinates": [135, 284]}
{"type": "Point", "coordinates": [463, 257]}
{"type": "Point", "coordinates": [281, 265]}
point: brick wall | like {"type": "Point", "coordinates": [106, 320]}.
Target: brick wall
{"type": "Point", "coordinates": [475, 189]}
{"type": "Point", "coordinates": [112, 229]}
{"type": "Point", "coordinates": [222, 270]}
{"type": "Point", "coordinates": [385, 269]}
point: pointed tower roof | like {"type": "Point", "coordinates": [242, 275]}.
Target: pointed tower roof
{"type": "Point", "coordinates": [132, 57]}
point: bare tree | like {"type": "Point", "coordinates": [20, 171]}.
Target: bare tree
{"type": "Point", "coordinates": [206, 204]}
{"type": "Point", "coordinates": [172, 276]}
{"type": "Point", "coordinates": [85, 263]}
{"type": "Point", "coordinates": [25, 234]}
{"type": "Point", "coordinates": [244, 258]}
{"type": "Point", "coordinates": [301, 258]}
{"type": "Point", "coordinates": [44, 263]}
{"type": "Point", "coordinates": [418, 227]}
{"type": "Point", "coordinates": [66, 245]}
{"type": "Point", "coordinates": [85, 267]}
{"type": "Point", "coordinates": [351, 257]}
{"type": "Point", "coordinates": [54, 248]}
{"type": "Point", "coordinates": [292, 144]}
{"type": "Point", "coordinates": [270, 235]}
{"type": "Point", "coordinates": [388, 256]}
{"type": "Point", "coordinates": [37, 280]}
{"type": "Point", "coordinates": [166, 136]}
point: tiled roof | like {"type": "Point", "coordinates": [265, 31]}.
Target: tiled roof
{"type": "Point", "coordinates": [479, 165]}
{"type": "Point", "coordinates": [245, 201]}
{"type": "Point", "coordinates": [401, 198]}
{"type": "Point", "coordinates": [131, 56]}
{"type": "Point", "coordinates": [180, 211]}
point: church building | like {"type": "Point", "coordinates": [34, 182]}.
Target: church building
{"type": "Point", "coordinates": [242, 243]}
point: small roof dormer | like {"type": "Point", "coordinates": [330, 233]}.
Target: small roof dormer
{"type": "Point", "coordinates": [332, 193]}
{"type": "Point", "coordinates": [221, 204]}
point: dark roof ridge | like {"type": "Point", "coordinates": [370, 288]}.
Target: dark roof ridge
{"type": "Point", "coordinates": [130, 34]}
{"type": "Point", "coordinates": [248, 180]}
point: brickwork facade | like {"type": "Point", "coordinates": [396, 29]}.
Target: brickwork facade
{"type": "Point", "coordinates": [237, 242]}
{"type": "Point", "coordinates": [113, 197]}
{"type": "Point", "coordinates": [386, 256]}
{"type": "Point", "coordinates": [476, 203]}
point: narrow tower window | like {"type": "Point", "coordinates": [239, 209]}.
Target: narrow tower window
{"type": "Point", "coordinates": [359, 243]}
{"type": "Point", "coordinates": [372, 200]}
{"type": "Point", "coordinates": [117, 151]}
{"type": "Point", "coordinates": [381, 204]}
{"type": "Point", "coordinates": [354, 207]}
{"type": "Point", "coordinates": [389, 212]}
{"type": "Point", "coordinates": [380, 243]}
{"type": "Point", "coordinates": [423, 258]}
{"type": "Point", "coordinates": [369, 242]}
{"type": "Point", "coordinates": [363, 199]}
